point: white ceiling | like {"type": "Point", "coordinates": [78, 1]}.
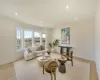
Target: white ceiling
{"type": "Point", "coordinates": [49, 13]}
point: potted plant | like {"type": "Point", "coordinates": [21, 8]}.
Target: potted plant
{"type": "Point", "coordinates": [53, 45]}
{"type": "Point", "coordinates": [49, 48]}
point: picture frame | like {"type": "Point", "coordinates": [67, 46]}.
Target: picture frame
{"type": "Point", "coordinates": [65, 36]}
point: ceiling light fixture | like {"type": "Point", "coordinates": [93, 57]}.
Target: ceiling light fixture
{"type": "Point", "coordinates": [75, 19]}
{"type": "Point", "coordinates": [67, 6]}
{"type": "Point", "coordinates": [16, 13]}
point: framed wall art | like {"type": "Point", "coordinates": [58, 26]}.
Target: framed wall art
{"type": "Point", "coordinates": [65, 36]}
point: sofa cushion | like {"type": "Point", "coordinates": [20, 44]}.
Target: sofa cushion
{"type": "Point", "coordinates": [42, 47]}
{"type": "Point", "coordinates": [29, 50]}
{"type": "Point", "coordinates": [38, 48]}
{"type": "Point", "coordinates": [34, 48]}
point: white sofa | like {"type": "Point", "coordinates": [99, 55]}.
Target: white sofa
{"type": "Point", "coordinates": [32, 52]}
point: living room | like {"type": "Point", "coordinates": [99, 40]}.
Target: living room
{"type": "Point", "coordinates": [27, 25]}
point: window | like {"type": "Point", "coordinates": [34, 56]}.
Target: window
{"type": "Point", "coordinates": [27, 38]}
{"type": "Point", "coordinates": [36, 38]}
{"type": "Point", "coordinates": [18, 39]}
{"type": "Point", "coordinates": [43, 38]}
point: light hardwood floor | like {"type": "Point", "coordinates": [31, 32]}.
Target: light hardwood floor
{"type": "Point", "coordinates": [7, 71]}
{"type": "Point", "coordinates": [93, 72]}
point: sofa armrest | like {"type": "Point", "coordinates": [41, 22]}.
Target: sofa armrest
{"type": "Point", "coordinates": [25, 52]}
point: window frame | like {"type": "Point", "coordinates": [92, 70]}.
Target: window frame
{"type": "Point", "coordinates": [40, 37]}
{"type": "Point", "coordinates": [21, 38]}
{"type": "Point", "coordinates": [33, 37]}
{"type": "Point", "coordinates": [24, 38]}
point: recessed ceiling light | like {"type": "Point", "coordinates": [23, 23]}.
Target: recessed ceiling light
{"type": "Point", "coordinates": [16, 13]}
{"type": "Point", "coordinates": [67, 6]}
{"type": "Point", "coordinates": [41, 22]}
{"type": "Point", "coordinates": [75, 19]}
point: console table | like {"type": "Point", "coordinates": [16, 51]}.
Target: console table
{"type": "Point", "coordinates": [67, 49]}
{"type": "Point", "coordinates": [69, 54]}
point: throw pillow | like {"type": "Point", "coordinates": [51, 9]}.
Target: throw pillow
{"type": "Point", "coordinates": [39, 48]}
{"type": "Point", "coordinates": [42, 47]}
{"type": "Point", "coordinates": [29, 51]}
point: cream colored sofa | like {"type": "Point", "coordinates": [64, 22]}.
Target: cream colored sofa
{"type": "Point", "coordinates": [33, 52]}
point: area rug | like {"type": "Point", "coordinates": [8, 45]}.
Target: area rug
{"type": "Point", "coordinates": [30, 70]}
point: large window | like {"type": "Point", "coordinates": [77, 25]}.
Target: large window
{"type": "Point", "coordinates": [37, 38]}
{"type": "Point", "coordinates": [18, 39]}
{"type": "Point", "coordinates": [43, 38]}
{"type": "Point", "coordinates": [27, 38]}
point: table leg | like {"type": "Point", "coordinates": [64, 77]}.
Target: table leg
{"type": "Point", "coordinates": [61, 51]}
{"type": "Point", "coordinates": [54, 75]}
{"type": "Point", "coordinates": [51, 76]}
{"type": "Point", "coordinates": [43, 69]}
{"type": "Point", "coordinates": [67, 51]}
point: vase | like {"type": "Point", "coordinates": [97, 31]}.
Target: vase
{"type": "Point", "coordinates": [48, 52]}
{"type": "Point", "coordinates": [54, 50]}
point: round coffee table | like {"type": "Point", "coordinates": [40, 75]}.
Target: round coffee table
{"type": "Point", "coordinates": [42, 60]}
{"type": "Point", "coordinates": [62, 67]}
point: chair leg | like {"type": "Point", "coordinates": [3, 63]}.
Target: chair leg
{"type": "Point", "coordinates": [54, 75]}
{"type": "Point", "coordinates": [72, 62]}
{"type": "Point", "coordinates": [43, 69]}
{"type": "Point", "coordinates": [51, 76]}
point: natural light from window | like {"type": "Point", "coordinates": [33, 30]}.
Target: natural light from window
{"type": "Point", "coordinates": [37, 38]}
{"type": "Point", "coordinates": [27, 38]}
{"type": "Point", "coordinates": [18, 40]}
{"type": "Point", "coordinates": [43, 38]}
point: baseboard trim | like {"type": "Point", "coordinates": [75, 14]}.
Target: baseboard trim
{"type": "Point", "coordinates": [83, 60]}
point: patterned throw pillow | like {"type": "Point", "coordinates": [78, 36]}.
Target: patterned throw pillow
{"type": "Point", "coordinates": [42, 47]}
{"type": "Point", "coordinates": [29, 51]}
{"type": "Point", "coordinates": [38, 48]}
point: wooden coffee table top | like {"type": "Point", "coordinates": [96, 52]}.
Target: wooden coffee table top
{"type": "Point", "coordinates": [63, 58]}
{"type": "Point", "coordinates": [43, 59]}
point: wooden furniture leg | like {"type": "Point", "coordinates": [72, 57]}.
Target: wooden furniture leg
{"type": "Point", "coordinates": [43, 69]}
{"type": "Point", "coordinates": [54, 75]}
{"type": "Point", "coordinates": [61, 50]}
{"type": "Point", "coordinates": [72, 58]}
{"type": "Point", "coordinates": [72, 62]}
{"type": "Point", "coordinates": [51, 76]}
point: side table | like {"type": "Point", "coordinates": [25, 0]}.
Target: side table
{"type": "Point", "coordinates": [62, 67]}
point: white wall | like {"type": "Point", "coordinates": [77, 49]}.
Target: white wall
{"type": "Point", "coordinates": [97, 39]}
{"type": "Point", "coordinates": [8, 26]}
{"type": "Point", "coordinates": [7, 49]}
{"type": "Point", "coordinates": [49, 36]}
{"type": "Point", "coordinates": [81, 38]}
